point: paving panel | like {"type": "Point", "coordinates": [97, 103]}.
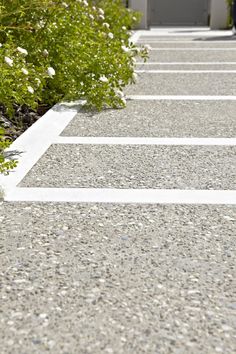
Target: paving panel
{"type": "Point", "coordinates": [135, 166]}
{"type": "Point", "coordinates": [184, 84]}
{"type": "Point", "coordinates": [117, 279]}
{"type": "Point", "coordinates": [186, 66]}
{"type": "Point", "coordinates": [159, 119]}
{"type": "Point", "coordinates": [192, 56]}
{"type": "Point", "coordinates": [188, 44]}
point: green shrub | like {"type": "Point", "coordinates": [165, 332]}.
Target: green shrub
{"type": "Point", "coordinates": [79, 41]}
{"type": "Point", "coordinates": [56, 50]}
{"type": "Point", "coordinates": [230, 4]}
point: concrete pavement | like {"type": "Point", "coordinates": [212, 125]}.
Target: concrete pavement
{"type": "Point", "coordinates": [154, 276]}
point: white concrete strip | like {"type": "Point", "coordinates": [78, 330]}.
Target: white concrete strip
{"type": "Point", "coordinates": [187, 63]}
{"type": "Point", "coordinates": [144, 141]}
{"type": "Point", "coordinates": [192, 49]}
{"type": "Point", "coordinates": [147, 196]}
{"type": "Point", "coordinates": [32, 144]}
{"type": "Point", "coordinates": [186, 71]}
{"type": "Point", "coordinates": [180, 98]}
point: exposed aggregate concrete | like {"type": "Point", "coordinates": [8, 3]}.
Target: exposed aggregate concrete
{"type": "Point", "coordinates": [184, 84]}
{"type": "Point", "coordinates": [96, 278]}
{"type": "Point", "coordinates": [192, 56]}
{"type": "Point", "coordinates": [135, 166]}
{"type": "Point", "coordinates": [180, 66]}
{"type": "Point", "coordinates": [158, 43]}
{"type": "Point", "coordinates": [159, 119]}
{"type": "Point", "coordinates": [117, 279]}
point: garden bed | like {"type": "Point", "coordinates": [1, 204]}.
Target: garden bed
{"type": "Point", "coordinates": [21, 120]}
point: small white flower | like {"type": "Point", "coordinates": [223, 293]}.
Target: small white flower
{"type": "Point", "coordinates": [100, 11]}
{"type": "Point", "coordinates": [135, 77]}
{"type": "Point", "coordinates": [94, 8]}
{"type": "Point", "coordinates": [124, 28]}
{"type": "Point", "coordinates": [147, 47]}
{"type": "Point", "coordinates": [134, 18]}
{"type": "Point", "coordinates": [22, 50]}
{"type": "Point", "coordinates": [30, 89]}
{"type": "Point", "coordinates": [105, 24]}
{"type": "Point", "coordinates": [64, 4]}
{"type": "Point", "coordinates": [103, 78]}
{"type": "Point", "coordinates": [123, 100]}
{"type": "Point", "coordinates": [25, 71]}
{"type": "Point", "coordinates": [85, 3]}
{"type": "Point", "coordinates": [102, 17]}
{"type": "Point", "coordinates": [51, 72]}
{"type": "Point", "coordinates": [38, 81]}
{"type": "Point", "coordinates": [0, 45]}
{"type": "Point", "coordinates": [91, 16]}
{"type": "Point", "coordinates": [119, 93]}
{"type": "Point", "coordinates": [110, 35]}
{"type": "Point", "coordinates": [45, 53]}
{"type": "Point", "coordinates": [8, 61]}
{"type": "Point", "coordinates": [125, 49]}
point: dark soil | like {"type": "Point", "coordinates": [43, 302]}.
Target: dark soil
{"type": "Point", "coordinates": [21, 120]}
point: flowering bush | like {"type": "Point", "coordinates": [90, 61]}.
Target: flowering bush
{"type": "Point", "coordinates": [56, 50]}
{"type": "Point", "coordinates": [65, 50]}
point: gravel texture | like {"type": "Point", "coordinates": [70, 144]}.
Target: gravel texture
{"type": "Point", "coordinates": [185, 67]}
{"type": "Point", "coordinates": [192, 44]}
{"type": "Point", "coordinates": [159, 119]}
{"type": "Point", "coordinates": [117, 279]}
{"type": "Point", "coordinates": [184, 84]}
{"type": "Point", "coordinates": [192, 56]}
{"type": "Point", "coordinates": [135, 166]}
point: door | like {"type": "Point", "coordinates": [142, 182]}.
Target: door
{"type": "Point", "coordinates": [178, 12]}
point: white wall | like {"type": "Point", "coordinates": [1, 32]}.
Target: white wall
{"type": "Point", "coordinates": [219, 14]}
{"type": "Point", "coordinates": [141, 6]}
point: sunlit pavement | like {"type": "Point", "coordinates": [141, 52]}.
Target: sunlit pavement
{"type": "Point", "coordinates": [118, 228]}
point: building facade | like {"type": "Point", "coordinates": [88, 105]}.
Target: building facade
{"type": "Point", "coordinates": [176, 13]}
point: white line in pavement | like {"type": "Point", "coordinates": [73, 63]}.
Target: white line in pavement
{"type": "Point", "coordinates": [193, 49]}
{"type": "Point", "coordinates": [187, 63]}
{"type": "Point", "coordinates": [180, 98]}
{"type": "Point", "coordinates": [144, 141]}
{"type": "Point", "coordinates": [185, 71]}
{"type": "Point", "coordinates": [147, 196]}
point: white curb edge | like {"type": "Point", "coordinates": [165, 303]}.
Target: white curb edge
{"type": "Point", "coordinates": [35, 141]}
{"type": "Point", "coordinates": [105, 195]}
